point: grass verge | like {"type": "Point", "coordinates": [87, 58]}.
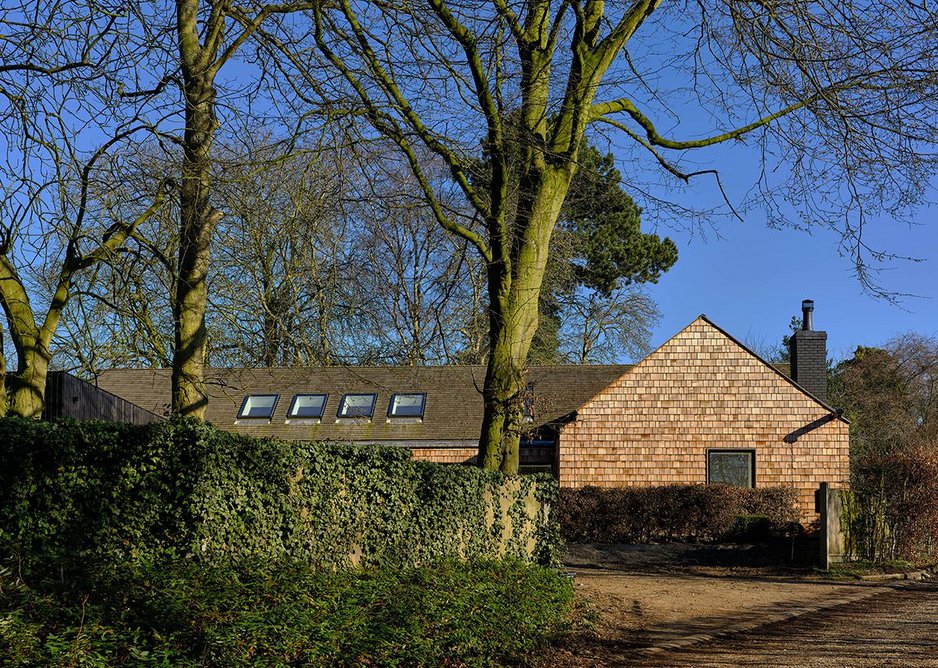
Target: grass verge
{"type": "Point", "coordinates": [857, 570]}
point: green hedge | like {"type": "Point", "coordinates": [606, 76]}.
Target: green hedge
{"type": "Point", "coordinates": [189, 614]}
{"type": "Point", "coordinates": [674, 513]}
{"type": "Point", "coordinates": [71, 492]}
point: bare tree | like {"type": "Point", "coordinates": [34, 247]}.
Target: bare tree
{"type": "Point", "coordinates": [182, 49]}
{"type": "Point", "coordinates": [121, 311]}
{"type": "Point", "coordinates": [285, 288]}
{"type": "Point", "coordinates": [600, 329]}
{"type": "Point", "coordinates": [842, 92]}
{"type": "Point", "coordinates": [421, 276]}
{"type": "Point", "coordinates": [330, 256]}
{"type": "Point", "coordinates": [61, 122]}
{"type": "Point", "coordinates": [326, 255]}
{"type": "Point", "coordinates": [204, 47]}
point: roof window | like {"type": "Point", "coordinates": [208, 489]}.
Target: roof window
{"type": "Point", "coordinates": [307, 406]}
{"type": "Point", "coordinates": [357, 405]}
{"type": "Point", "coordinates": [407, 405]}
{"type": "Point", "coordinates": [258, 406]}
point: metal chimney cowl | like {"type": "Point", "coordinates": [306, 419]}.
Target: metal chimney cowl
{"type": "Point", "coordinates": [807, 315]}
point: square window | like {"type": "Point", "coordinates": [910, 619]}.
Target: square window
{"type": "Point", "coordinates": [407, 405]}
{"type": "Point", "coordinates": [731, 467]}
{"type": "Point", "coordinates": [357, 405]}
{"type": "Point", "coordinates": [258, 406]}
{"type": "Point", "coordinates": [307, 406]}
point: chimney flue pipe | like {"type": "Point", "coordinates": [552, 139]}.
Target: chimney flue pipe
{"type": "Point", "coordinates": [807, 315]}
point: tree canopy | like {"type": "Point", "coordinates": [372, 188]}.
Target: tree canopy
{"type": "Point", "coordinates": [890, 394]}
{"type": "Point", "coordinates": [609, 248]}
{"type": "Point", "coordinates": [841, 94]}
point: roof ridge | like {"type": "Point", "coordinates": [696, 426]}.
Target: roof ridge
{"type": "Point", "coordinates": [356, 367]}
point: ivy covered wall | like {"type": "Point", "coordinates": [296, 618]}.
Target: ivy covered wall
{"type": "Point", "coordinates": [71, 492]}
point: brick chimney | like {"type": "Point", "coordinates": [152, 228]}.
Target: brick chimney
{"type": "Point", "coordinates": [809, 354]}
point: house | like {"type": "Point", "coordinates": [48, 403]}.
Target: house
{"type": "Point", "coordinates": [702, 408]}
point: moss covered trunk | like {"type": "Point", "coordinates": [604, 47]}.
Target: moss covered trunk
{"type": "Point", "coordinates": [26, 386]}
{"type": "Point", "coordinates": [198, 221]}
{"type": "Point", "coordinates": [514, 290]}
{"type": "Point", "coordinates": [3, 376]}
{"type": "Point", "coordinates": [198, 218]}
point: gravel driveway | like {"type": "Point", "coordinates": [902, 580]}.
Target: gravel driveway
{"type": "Point", "coordinates": [895, 628]}
{"type": "Point", "coordinates": [663, 597]}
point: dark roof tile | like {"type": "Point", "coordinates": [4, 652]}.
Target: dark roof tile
{"type": "Point", "coordinates": [453, 409]}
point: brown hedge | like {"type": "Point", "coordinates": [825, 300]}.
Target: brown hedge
{"type": "Point", "coordinates": [892, 511]}
{"type": "Point", "coordinates": [672, 513]}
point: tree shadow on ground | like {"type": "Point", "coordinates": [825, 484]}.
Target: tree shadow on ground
{"type": "Point", "coordinates": [775, 556]}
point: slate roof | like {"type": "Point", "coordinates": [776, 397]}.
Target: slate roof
{"type": "Point", "coordinates": [453, 410]}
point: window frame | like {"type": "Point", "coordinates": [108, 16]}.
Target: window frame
{"type": "Point", "coordinates": [752, 464]}
{"type": "Point", "coordinates": [371, 411]}
{"type": "Point", "coordinates": [248, 397]}
{"type": "Point", "coordinates": [423, 404]}
{"type": "Point", "coordinates": [322, 410]}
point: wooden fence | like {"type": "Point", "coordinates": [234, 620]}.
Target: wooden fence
{"type": "Point", "coordinates": [71, 397]}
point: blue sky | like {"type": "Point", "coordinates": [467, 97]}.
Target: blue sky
{"type": "Point", "coordinates": [752, 280]}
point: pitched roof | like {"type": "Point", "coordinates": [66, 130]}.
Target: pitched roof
{"type": "Point", "coordinates": [453, 409]}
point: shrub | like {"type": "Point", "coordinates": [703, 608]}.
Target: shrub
{"type": "Point", "coordinates": [672, 513]}
{"type": "Point", "coordinates": [892, 511]}
{"type": "Point", "coordinates": [79, 492]}
{"type": "Point", "coordinates": [184, 613]}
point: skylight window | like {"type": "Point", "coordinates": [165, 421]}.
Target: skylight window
{"type": "Point", "coordinates": [309, 406]}
{"type": "Point", "coordinates": [357, 405]}
{"type": "Point", "coordinates": [258, 406]}
{"type": "Point", "coordinates": [407, 405]}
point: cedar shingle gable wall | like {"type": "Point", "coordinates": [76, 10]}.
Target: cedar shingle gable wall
{"type": "Point", "coordinates": [703, 390]}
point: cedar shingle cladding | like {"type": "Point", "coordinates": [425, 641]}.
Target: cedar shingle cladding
{"type": "Point", "coordinates": [702, 390]}
{"type": "Point", "coordinates": [452, 416]}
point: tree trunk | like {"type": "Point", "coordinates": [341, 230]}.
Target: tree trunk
{"type": "Point", "coordinates": [513, 320]}
{"type": "Point", "coordinates": [3, 378]}
{"type": "Point", "coordinates": [197, 226]}
{"type": "Point", "coordinates": [33, 343]}
{"type": "Point", "coordinates": [203, 51]}
{"type": "Point", "coordinates": [26, 387]}
{"type": "Point", "coordinates": [28, 384]}
{"type": "Point", "coordinates": [499, 447]}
